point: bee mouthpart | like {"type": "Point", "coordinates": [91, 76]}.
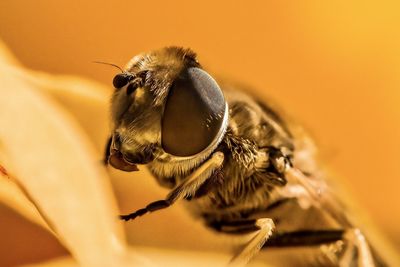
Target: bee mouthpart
{"type": "Point", "coordinates": [117, 160]}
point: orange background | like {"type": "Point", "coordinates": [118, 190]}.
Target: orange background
{"type": "Point", "coordinates": [334, 66]}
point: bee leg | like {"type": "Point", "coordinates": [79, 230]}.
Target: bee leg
{"type": "Point", "coordinates": [216, 179]}
{"type": "Point", "coordinates": [265, 226]}
{"type": "Point", "coordinates": [187, 188]}
{"type": "Point", "coordinates": [305, 238]}
{"type": "Point", "coordinates": [271, 165]}
{"type": "Point", "coordinates": [357, 251]}
{"type": "Point", "coordinates": [330, 243]}
{"type": "Point", "coordinates": [340, 247]}
{"type": "Point", "coordinates": [278, 159]}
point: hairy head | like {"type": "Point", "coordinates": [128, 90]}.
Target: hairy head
{"type": "Point", "coordinates": [165, 103]}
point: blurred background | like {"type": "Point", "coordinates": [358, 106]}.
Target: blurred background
{"type": "Point", "coordinates": [333, 66]}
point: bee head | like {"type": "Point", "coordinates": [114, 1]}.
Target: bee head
{"type": "Point", "coordinates": [165, 104]}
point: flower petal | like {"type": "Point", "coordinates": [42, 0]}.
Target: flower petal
{"type": "Point", "coordinates": [52, 159]}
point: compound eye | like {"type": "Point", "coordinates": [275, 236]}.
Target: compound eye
{"type": "Point", "coordinates": [121, 79]}
{"type": "Point", "coordinates": [193, 114]}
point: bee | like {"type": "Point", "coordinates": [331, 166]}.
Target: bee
{"type": "Point", "coordinates": [235, 161]}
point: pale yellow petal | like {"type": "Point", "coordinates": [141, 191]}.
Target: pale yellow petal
{"type": "Point", "coordinates": [12, 196]}
{"type": "Point", "coordinates": [160, 257]}
{"type": "Point", "coordinates": [43, 147]}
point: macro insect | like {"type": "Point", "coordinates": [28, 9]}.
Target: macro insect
{"type": "Point", "coordinates": [236, 162]}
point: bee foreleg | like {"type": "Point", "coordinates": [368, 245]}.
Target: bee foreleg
{"type": "Point", "coordinates": [185, 189]}
{"type": "Point", "coordinates": [266, 226]}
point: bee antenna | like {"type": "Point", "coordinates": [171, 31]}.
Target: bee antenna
{"type": "Point", "coordinates": [110, 64]}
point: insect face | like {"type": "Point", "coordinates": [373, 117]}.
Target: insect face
{"type": "Point", "coordinates": [165, 106]}
{"type": "Point", "coordinates": [136, 123]}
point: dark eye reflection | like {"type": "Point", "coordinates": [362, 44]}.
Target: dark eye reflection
{"type": "Point", "coordinates": [121, 79]}
{"type": "Point", "coordinates": [193, 115]}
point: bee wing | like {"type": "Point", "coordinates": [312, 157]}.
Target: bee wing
{"type": "Point", "coordinates": [373, 245]}
{"type": "Point", "coordinates": [320, 196]}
